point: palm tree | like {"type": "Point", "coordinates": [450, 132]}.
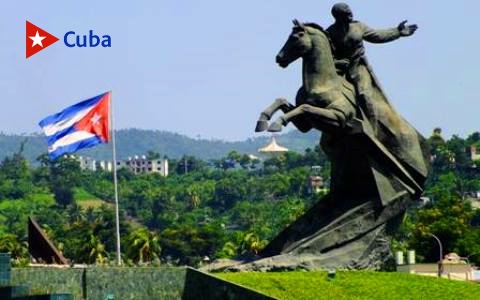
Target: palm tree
{"type": "Point", "coordinates": [10, 244]}
{"type": "Point", "coordinates": [193, 195]}
{"type": "Point", "coordinates": [252, 243]}
{"type": "Point", "coordinates": [75, 213]}
{"type": "Point", "coordinates": [229, 250]}
{"type": "Point", "coordinates": [97, 250]}
{"type": "Point", "coordinates": [144, 245]}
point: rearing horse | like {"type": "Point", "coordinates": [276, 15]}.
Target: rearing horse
{"type": "Point", "coordinates": [325, 101]}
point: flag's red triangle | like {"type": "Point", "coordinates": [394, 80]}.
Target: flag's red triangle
{"type": "Point", "coordinates": [97, 121]}
{"type": "Point", "coordinates": [37, 39]}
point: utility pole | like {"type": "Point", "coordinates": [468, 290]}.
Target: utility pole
{"type": "Point", "coordinates": [185, 163]}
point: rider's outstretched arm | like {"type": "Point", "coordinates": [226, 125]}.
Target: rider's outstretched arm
{"type": "Point", "coordinates": [387, 35]}
{"type": "Point", "coordinates": [380, 35]}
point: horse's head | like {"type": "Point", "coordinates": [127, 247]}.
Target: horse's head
{"type": "Point", "coordinates": [298, 44]}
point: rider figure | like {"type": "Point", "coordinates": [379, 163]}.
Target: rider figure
{"type": "Point", "coordinates": [347, 36]}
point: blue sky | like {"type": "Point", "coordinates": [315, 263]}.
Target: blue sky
{"type": "Point", "coordinates": [206, 68]}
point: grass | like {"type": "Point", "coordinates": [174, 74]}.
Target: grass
{"type": "Point", "coordinates": [85, 200]}
{"type": "Point", "coordinates": [94, 203]}
{"type": "Point", "coordinates": [353, 285]}
{"type": "Point", "coordinates": [80, 195]}
{"type": "Point", "coordinates": [40, 199]}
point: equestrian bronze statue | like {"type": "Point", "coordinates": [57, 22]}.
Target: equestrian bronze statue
{"type": "Point", "coordinates": [378, 160]}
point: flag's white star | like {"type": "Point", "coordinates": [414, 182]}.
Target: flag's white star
{"type": "Point", "coordinates": [37, 39]}
{"type": "Point", "coordinates": [96, 117]}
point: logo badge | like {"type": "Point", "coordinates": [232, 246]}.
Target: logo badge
{"type": "Point", "coordinates": [37, 39]}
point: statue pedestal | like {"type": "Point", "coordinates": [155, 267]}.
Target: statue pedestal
{"type": "Point", "coordinates": [335, 233]}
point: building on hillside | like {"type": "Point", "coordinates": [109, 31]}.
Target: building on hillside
{"type": "Point", "coordinates": [474, 199]}
{"type": "Point", "coordinates": [141, 165]}
{"type": "Point", "coordinates": [474, 154]}
{"type": "Point", "coordinates": [105, 165]}
{"type": "Point", "coordinates": [273, 148]}
{"type": "Point", "coordinates": [315, 180]}
{"type": "Point", "coordinates": [315, 184]}
{"type": "Point", "coordinates": [88, 163]}
{"type": "Point", "coordinates": [137, 165]}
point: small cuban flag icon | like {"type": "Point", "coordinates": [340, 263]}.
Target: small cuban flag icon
{"type": "Point", "coordinates": [79, 126]}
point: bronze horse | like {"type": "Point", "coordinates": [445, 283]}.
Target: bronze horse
{"type": "Point", "coordinates": [325, 100]}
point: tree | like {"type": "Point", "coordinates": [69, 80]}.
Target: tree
{"type": "Point", "coordinates": [449, 217]}
{"type": "Point", "coordinates": [63, 177]}
{"type": "Point", "coordinates": [234, 155]}
{"type": "Point", "coordinates": [152, 155]}
{"type": "Point", "coordinates": [436, 140]}
{"type": "Point", "coordinates": [143, 246]}
{"type": "Point", "coordinates": [229, 250]}
{"type": "Point", "coordinates": [98, 254]}
{"type": "Point", "coordinates": [15, 177]}
{"type": "Point", "coordinates": [189, 164]}
{"type": "Point", "coordinates": [229, 190]}
{"type": "Point", "coordinates": [458, 147]}
{"type": "Point", "coordinates": [10, 244]}
{"type": "Point", "coordinates": [252, 243]}
{"type": "Point", "coordinates": [193, 195]}
{"type": "Point", "coordinates": [245, 161]}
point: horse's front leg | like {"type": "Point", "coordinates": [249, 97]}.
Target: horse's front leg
{"type": "Point", "coordinates": [323, 118]}
{"type": "Point", "coordinates": [279, 103]}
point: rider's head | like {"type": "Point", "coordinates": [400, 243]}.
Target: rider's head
{"type": "Point", "coordinates": [342, 13]}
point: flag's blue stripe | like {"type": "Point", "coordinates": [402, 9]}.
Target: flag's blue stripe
{"type": "Point", "coordinates": [70, 111]}
{"type": "Point", "coordinates": [58, 135]}
{"type": "Point", "coordinates": [86, 143]}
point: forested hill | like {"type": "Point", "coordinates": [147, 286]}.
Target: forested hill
{"type": "Point", "coordinates": [137, 142]}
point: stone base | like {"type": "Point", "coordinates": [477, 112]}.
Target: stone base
{"type": "Point", "coordinates": [329, 236]}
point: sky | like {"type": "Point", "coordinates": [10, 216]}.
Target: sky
{"type": "Point", "coordinates": [206, 68]}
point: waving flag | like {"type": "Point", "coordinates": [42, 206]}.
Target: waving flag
{"type": "Point", "coordinates": [82, 125]}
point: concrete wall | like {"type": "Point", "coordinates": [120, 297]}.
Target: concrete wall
{"type": "Point", "coordinates": [96, 282]}
{"type": "Point", "coordinates": [450, 271]}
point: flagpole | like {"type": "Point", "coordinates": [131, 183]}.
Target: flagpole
{"type": "Point", "coordinates": [115, 183]}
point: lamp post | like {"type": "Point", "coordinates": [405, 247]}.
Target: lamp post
{"type": "Point", "coordinates": [440, 264]}
{"type": "Point", "coordinates": [468, 257]}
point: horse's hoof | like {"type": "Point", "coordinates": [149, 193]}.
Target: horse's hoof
{"type": "Point", "coordinates": [262, 125]}
{"type": "Point", "coordinates": [275, 127]}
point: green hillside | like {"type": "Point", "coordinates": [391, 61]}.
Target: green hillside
{"type": "Point", "coordinates": [354, 285]}
{"type": "Point", "coordinates": [137, 142]}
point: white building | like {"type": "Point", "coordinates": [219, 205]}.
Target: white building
{"type": "Point", "coordinates": [88, 163]}
{"type": "Point", "coordinates": [474, 154]}
{"type": "Point", "coordinates": [139, 165]}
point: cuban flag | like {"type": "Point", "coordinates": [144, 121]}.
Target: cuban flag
{"type": "Point", "coordinates": [80, 126]}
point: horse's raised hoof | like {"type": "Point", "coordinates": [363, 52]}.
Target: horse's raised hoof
{"type": "Point", "coordinates": [275, 127]}
{"type": "Point", "coordinates": [262, 125]}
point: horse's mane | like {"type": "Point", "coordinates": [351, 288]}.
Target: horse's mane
{"type": "Point", "coordinates": [315, 25]}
